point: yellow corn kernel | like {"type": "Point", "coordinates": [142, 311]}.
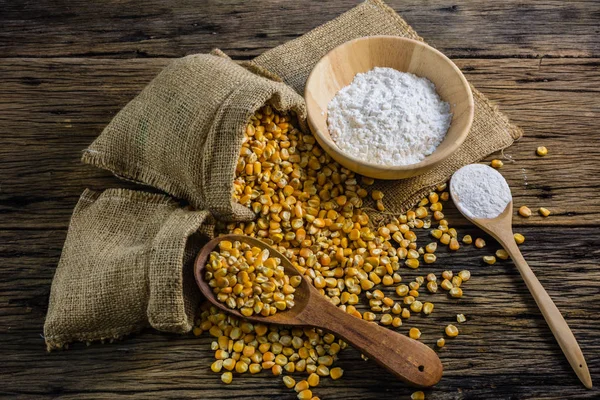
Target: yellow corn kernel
{"type": "Point", "coordinates": [227, 377]}
{"type": "Point", "coordinates": [432, 286]}
{"type": "Point", "coordinates": [544, 212]}
{"type": "Point", "coordinates": [445, 239]}
{"type": "Point", "coordinates": [496, 164]}
{"type": "Point", "coordinates": [519, 239]}
{"type": "Point", "coordinates": [464, 275]}
{"type": "Point", "coordinates": [456, 292]}
{"type": "Point", "coordinates": [427, 308]}
{"type": "Point", "coordinates": [289, 382]}
{"type": "Point", "coordinates": [416, 306]}
{"type": "Point", "coordinates": [460, 318]}
{"type": "Point", "coordinates": [446, 284]}
{"type": "Point", "coordinates": [491, 260]}
{"type": "Point", "coordinates": [336, 373]}
{"type": "Point", "coordinates": [502, 254]}
{"type": "Point", "coordinates": [216, 366]}
{"type": "Point", "coordinates": [417, 396]}
{"type": "Point", "coordinates": [456, 281]}
{"type": "Point", "coordinates": [429, 258]}
{"type": "Point", "coordinates": [541, 151]}
{"type": "Point", "coordinates": [479, 243]}
{"type": "Point", "coordinates": [436, 233]}
{"type": "Point", "coordinates": [322, 370]}
{"type": "Point", "coordinates": [441, 342]}
{"type": "Point", "coordinates": [451, 331]}
{"type": "Point", "coordinates": [467, 239]}
{"type": "Point", "coordinates": [412, 263]}
{"type": "Point", "coordinates": [386, 319]}
{"type": "Point", "coordinates": [369, 316]}
{"type": "Point", "coordinates": [414, 333]}
{"type": "Point", "coordinates": [453, 244]}
{"type": "Point", "coordinates": [305, 395]}
{"type": "Point", "coordinates": [405, 313]}
{"type": "Point", "coordinates": [396, 322]}
{"type": "Point", "coordinates": [524, 211]}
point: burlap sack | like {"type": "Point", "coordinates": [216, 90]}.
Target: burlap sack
{"type": "Point", "coordinates": [294, 60]}
{"type": "Point", "coordinates": [182, 134]}
{"type": "Point", "coordinates": [126, 265]}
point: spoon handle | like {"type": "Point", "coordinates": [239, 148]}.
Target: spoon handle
{"type": "Point", "coordinates": [553, 317]}
{"type": "Point", "coordinates": [409, 360]}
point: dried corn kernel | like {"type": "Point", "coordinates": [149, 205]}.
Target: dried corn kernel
{"type": "Point", "coordinates": [519, 239]}
{"type": "Point", "coordinates": [502, 254]}
{"type": "Point", "coordinates": [414, 333]}
{"type": "Point", "coordinates": [451, 331]}
{"type": "Point", "coordinates": [524, 211]}
{"type": "Point", "coordinates": [544, 212]}
{"type": "Point", "coordinates": [491, 260]}
{"type": "Point", "coordinates": [541, 151]}
{"type": "Point", "coordinates": [496, 164]}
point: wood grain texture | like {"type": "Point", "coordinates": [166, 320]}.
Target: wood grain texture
{"type": "Point", "coordinates": [66, 68]}
{"type": "Point", "coordinates": [155, 28]}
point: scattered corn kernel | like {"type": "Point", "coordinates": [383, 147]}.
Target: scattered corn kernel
{"type": "Point", "coordinates": [491, 260]}
{"type": "Point", "coordinates": [441, 342]}
{"type": "Point", "coordinates": [227, 377]}
{"type": "Point", "coordinates": [541, 151]}
{"type": "Point", "coordinates": [479, 243]}
{"type": "Point", "coordinates": [465, 275]}
{"type": "Point", "coordinates": [544, 212]}
{"type": "Point", "coordinates": [524, 211]}
{"type": "Point", "coordinates": [451, 331]}
{"type": "Point", "coordinates": [502, 254]}
{"type": "Point", "coordinates": [496, 164]}
{"type": "Point", "coordinates": [456, 292]}
{"type": "Point", "coordinates": [417, 396]}
{"type": "Point", "coordinates": [467, 239]}
{"type": "Point", "coordinates": [336, 373]}
{"type": "Point", "coordinates": [460, 318]}
{"type": "Point", "coordinates": [519, 239]}
{"type": "Point", "coordinates": [414, 333]}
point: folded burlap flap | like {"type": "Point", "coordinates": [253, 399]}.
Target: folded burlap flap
{"type": "Point", "coordinates": [294, 60]}
{"type": "Point", "coordinates": [126, 265]}
{"type": "Point", "coordinates": [182, 134]}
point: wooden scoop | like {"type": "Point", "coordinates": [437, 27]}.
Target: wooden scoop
{"type": "Point", "coordinates": [500, 228]}
{"type": "Point", "coordinates": [409, 360]}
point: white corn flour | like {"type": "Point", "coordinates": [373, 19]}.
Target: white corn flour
{"type": "Point", "coordinates": [388, 117]}
{"type": "Point", "coordinates": [480, 191]}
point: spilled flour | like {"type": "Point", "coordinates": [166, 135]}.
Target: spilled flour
{"type": "Point", "coordinates": [388, 117]}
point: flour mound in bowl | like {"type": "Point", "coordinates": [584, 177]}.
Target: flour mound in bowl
{"type": "Point", "coordinates": [388, 117]}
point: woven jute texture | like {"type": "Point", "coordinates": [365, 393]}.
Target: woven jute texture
{"type": "Point", "coordinates": [127, 264]}
{"type": "Point", "coordinates": [294, 60]}
{"type": "Point", "coordinates": [182, 134]}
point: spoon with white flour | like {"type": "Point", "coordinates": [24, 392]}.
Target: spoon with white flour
{"type": "Point", "coordinates": [482, 195]}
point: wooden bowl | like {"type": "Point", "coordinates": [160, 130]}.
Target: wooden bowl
{"type": "Point", "coordinates": [337, 70]}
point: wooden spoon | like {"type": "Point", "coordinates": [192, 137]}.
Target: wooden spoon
{"type": "Point", "coordinates": [500, 228]}
{"type": "Point", "coordinates": [409, 360]}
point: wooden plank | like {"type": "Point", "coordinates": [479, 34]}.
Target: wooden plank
{"type": "Point", "coordinates": [157, 29]}
{"type": "Point", "coordinates": [554, 100]}
{"type": "Point", "coordinates": [505, 349]}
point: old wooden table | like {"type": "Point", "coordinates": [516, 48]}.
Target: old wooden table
{"type": "Point", "coordinates": [66, 68]}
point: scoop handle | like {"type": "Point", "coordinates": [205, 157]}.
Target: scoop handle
{"type": "Point", "coordinates": [554, 318]}
{"type": "Point", "coordinates": [409, 360]}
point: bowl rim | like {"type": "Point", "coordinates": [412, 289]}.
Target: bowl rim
{"type": "Point", "coordinates": [428, 160]}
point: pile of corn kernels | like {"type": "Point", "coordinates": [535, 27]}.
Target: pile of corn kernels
{"type": "Point", "coordinates": [311, 209]}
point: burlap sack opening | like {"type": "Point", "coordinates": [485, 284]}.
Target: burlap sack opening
{"type": "Point", "coordinates": [182, 134]}
{"type": "Point", "coordinates": [126, 265]}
